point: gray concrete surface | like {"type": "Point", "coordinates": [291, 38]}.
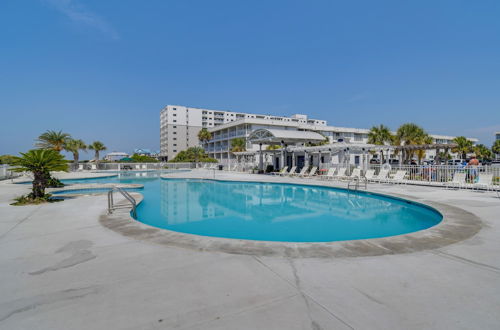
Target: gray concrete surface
{"type": "Point", "coordinates": [61, 269]}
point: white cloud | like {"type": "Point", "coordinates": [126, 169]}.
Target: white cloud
{"type": "Point", "coordinates": [78, 14]}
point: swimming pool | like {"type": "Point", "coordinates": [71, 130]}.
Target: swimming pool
{"type": "Point", "coordinates": [273, 211]}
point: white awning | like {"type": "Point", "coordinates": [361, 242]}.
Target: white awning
{"type": "Point", "coordinates": [278, 136]}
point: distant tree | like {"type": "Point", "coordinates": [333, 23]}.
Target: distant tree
{"type": "Point", "coordinates": [196, 153]}
{"type": "Point", "coordinates": [40, 162]}
{"type": "Point", "coordinates": [74, 146]}
{"type": "Point", "coordinates": [143, 159]}
{"type": "Point", "coordinates": [52, 140]}
{"type": "Point", "coordinates": [496, 147]}
{"type": "Point", "coordinates": [380, 135]}
{"type": "Point", "coordinates": [192, 155]}
{"type": "Point", "coordinates": [482, 152]}
{"type": "Point", "coordinates": [6, 159]}
{"type": "Point", "coordinates": [97, 146]}
{"type": "Point", "coordinates": [464, 146]}
{"type": "Point", "coordinates": [409, 134]}
{"type": "Point", "coordinates": [204, 135]}
{"type": "Point", "coordinates": [238, 145]}
{"type": "Point", "coordinates": [273, 147]}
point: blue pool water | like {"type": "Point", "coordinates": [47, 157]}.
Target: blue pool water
{"type": "Point", "coordinates": [270, 211]}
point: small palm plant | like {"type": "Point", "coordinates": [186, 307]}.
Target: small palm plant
{"type": "Point", "coordinates": [52, 140]}
{"type": "Point", "coordinates": [238, 145]}
{"type": "Point", "coordinates": [97, 146]}
{"type": "Point", "coordinates": [74, 146]}
{"type": "Point", "coordinates": [39, 162]}
{"type": "Point", "coordinates": [196, 153]}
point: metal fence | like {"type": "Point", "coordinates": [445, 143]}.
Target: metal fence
{"type": "Point", "coordinates": [440, 174]}
{"type": "Point", "coordinates": [105, 166]}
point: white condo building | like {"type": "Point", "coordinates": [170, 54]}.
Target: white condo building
{"type": "Point", "coordinates": [180, 126]}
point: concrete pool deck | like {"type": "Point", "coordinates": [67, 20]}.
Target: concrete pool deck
{"type": "Point", "coordinates": [62, 269]}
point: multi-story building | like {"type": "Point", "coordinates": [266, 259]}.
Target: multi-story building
{"type": "Point", "coordinates": [180, 126]}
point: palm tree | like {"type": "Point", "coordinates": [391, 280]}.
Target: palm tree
{"type": "Point", "coordinates": [482, 152]}
{"type": "Point", "coordinates": [380, 135]}
{"type": "Point", "coordinates": [74, 146]}
{"type": "Point", "coordinates": [421, 152]}
{"type": "Point", "coordinates": [97, 146]}
{"type": "Point", "coordinates": [409, 134]}
{"type": "Point", "coordinates": [238, 145]}
{"type": "Point", "coordinates": [496, 147]}
{"type": "Point", "coordinates": [204, 135]}
{"type": "Point", "coordinates": [463, 146]}
{"type": "Point", "coordinates": [52, 140]}
{"type": "Point", "coordinates": [40, 162]}
{"type": "Point", "coordinates": [196, 153]}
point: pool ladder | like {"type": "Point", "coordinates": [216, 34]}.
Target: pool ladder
{"type": "Point", "coordinates": [128, 197]}
{"type": "Point", "coordinates": [354, 184]}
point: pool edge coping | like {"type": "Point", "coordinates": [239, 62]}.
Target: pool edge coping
{"type": "Point", "coordinates": [457, 225]}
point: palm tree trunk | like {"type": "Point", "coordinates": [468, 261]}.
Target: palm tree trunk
{"type": "Point", "coordinates": [39, 184]}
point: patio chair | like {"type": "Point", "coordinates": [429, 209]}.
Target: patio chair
{"type": "Point", "coordinates": [485, 181]}
{"type": "Point", "coordinates": [144, 167]}
{"type": "Point", "coordinates": [283, 170]}
{"type": "Point", "coordinates": [382, 176]}
{"type": "Point", "coordinates": [291, 172]}
{"type": "Point", "coordinates": [356, 174]}
{"type": "Point", "coordinates": [369, 175]}
{"type": "Point", "coordinates": [93, 167]}
{"type": "Point", "coordinates": [329, 174]}
{"type": "Point", "coordinates": [398, 177]}
{"type": "Point", "coordinates": [301, 173]}
{"type": "Point", "coordinates": [340, 174]}
{"type": "Point", "coordinates": [311, 173]}
{"type": "Point", "coordinates": [137, 167]}
{"type": "Point", "coordinates": [80, 167]}
{"type": "Point", "coordinates": [458, 180]}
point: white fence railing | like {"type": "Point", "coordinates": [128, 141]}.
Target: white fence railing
{"type": "Point", "coordinates": [105, 166]}
{"type": "Point", "coordinates": [429, 174]}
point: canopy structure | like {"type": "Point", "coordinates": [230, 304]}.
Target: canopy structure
{"type": "Point", "coordinates": [342, 146]}
{"type": "Point", "coordinates": [281, 136]}
{"type": "Point", "coordinates": [427, 146]}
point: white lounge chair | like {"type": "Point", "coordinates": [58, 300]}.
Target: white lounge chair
{"type": "Point", "coordinates": [281, 172]}
{"type": "Point", "coordinates": [144, 167]}
{"type": "Point", "coordinates": [312, 172]}
{"type": "Point", "coordinates": [356, 174]}
{"type": "Point", "coordinates": [369, 175]}
{"type": "Point", "coordinates": [301, 173]}
{"type": "Point", "coordinates": [398, 177]}
{"type": "Point", "coordinates": [329, 174]}
{"type": "Point", "coordinates": [80, 167]}
{"type": "Point", "coordinates": [137, 167]}
{"type": "Point", "coordinates": [485, 181]}
{"type": "Point", "coordinates": [93, 167]}
{"type": "Point", "coordinates": [340, 174]}
{"type": "Point", "coordinates": [291, 172]}
{"type": "Point", "coordinates": [382, 176]}
{"type": "Point", "coordinates": [458, 180]}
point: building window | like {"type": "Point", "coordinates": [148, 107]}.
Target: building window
{"type": "Point", "coordinates": [175, 145]}
{"type": "Point", "coordinates": [175, 132]}
{"type": "Point", "coordinates": [174, 150]}
{"type": "Point", "coordinates": [175, 126]}
{"type": "Point", "coordinates": [175, 115]}
{"type": "Point", "coordinates": [175, 120]}
{"type": "Point", "coordinates": [175, 138]}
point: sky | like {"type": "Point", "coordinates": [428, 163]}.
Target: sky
{"type": "Point", "coordinates": [103, 69]}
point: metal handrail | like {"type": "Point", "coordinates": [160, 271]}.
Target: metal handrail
{"type": "Point", "coordinates": [127, 196]}
{"type": "Point", "coordinates": [356, 181]}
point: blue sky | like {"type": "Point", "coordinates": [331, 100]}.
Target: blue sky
{"type": "Point", "coordinates": [103, 69]}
